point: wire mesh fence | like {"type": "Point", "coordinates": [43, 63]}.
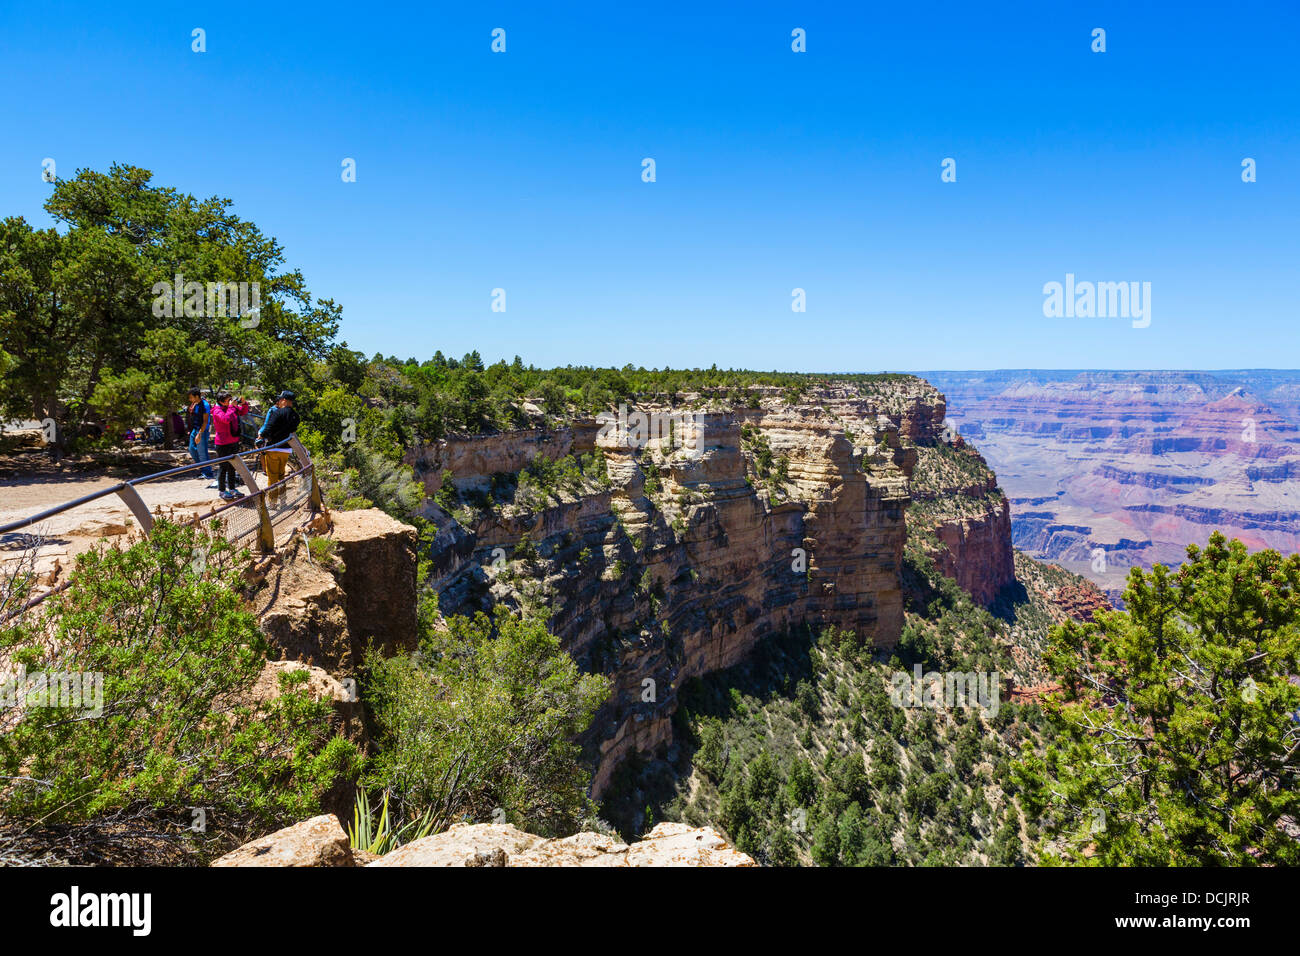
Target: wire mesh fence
{"type": "Point", "coordinates": [290, 502]}
{"type": "Point", "coordinates": [239, 521]}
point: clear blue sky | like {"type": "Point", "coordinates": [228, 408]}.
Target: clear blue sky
{"type": "Point", "coordinates": [775, 170]}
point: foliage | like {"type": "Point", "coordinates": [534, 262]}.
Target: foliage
{"type": "Point", "coordinates": [78, 322]}
{"type": "Point", "coordinates": [1178, 732]}
{"type": "Point", "coordinates": [483, 717]}
{"type": "Point", "coordinates": [380, 836]}
{"type": "Point", "coordinates": [177, 654]}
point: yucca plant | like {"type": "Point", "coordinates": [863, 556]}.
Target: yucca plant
{"type": "Point", "coordinates": [379, 837]}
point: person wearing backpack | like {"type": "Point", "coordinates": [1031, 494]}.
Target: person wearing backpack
{"type": "Point", "coordinates": [199, 421]}
{"type": "Point", "coordinates": [281, 422]}
{"type": "Point", "coordinates": [225, 424]}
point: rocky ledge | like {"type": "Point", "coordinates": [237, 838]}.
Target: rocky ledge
{"type": "Point", "coordinates": [321, 841]}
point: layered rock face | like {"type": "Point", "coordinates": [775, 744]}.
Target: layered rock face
{"type": "Point", "coordinates": [378, 556]}
{"type": "Point", "coordinates": [327, 616]}
{"type": "Point", "coordinates": [688, 547]}
{"type": "Point", "coordinates": [976, 552]}
{"type": "Point", "coordinates": [1108, 470]}
{"type": "Point", "coordinates": [962, 515]}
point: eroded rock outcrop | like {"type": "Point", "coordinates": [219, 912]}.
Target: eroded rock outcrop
{"type": "Point", "coordinates": [378, 579]}
{"type": "Point", "coordinates": [959, 511]}
{"type": "Point", "coordinates": [302, 609]}
{"type": "Point", "coordinates": [489, 844]}
{"type": "Point", "coordinates": [319, 614]}
{"type": "Point", "coordinates": [321, 841]}
{"type": "Point", "coordinates": [674, 561]}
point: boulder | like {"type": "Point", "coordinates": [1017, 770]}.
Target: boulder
{"type": "Point", "coordinates": [319, 841]}
{"type": "Point", "coordinates": [675, 844]}
{"type": "Point", "coordinates": [490, 844]}
{"type": "Point", "coordinates": [463, 845]}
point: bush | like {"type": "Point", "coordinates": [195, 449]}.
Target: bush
{"type": "Point", "coordinates": [177, 652]}
{"type": "Point", "coordinates": [1177, 728]}
{"type": "Point", "coordinates": [483, 717]}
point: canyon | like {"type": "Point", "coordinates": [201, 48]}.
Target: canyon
{"type": "Point", "coordinates": [659, 560]}
{"type": "Point", "coordinates": [1110, 470]}
{"type": "Point", "coordinates": [664, 563]}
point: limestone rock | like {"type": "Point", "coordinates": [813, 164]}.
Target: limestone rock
{"type": "Point", "coordinates": [581, 849]}
{"type": "Point", "coordinates": [378, 580]}
{"type": "Point", "coordinates": [687, 556]}
{"type": "Point", "coordinates": [675, 844]}
{"type": "Point", "coordinates": [490, 844]}
{"type": "Point", "coordinates": [319, 841]}
{"type": "Point", "coordinates": [301, 610]}
{"type": "Point", "coordinates": [463, 842]}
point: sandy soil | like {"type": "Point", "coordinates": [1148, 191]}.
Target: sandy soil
{"type": "Point", "coordinates": [39, 484]}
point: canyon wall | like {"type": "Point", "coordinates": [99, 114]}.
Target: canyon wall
{"type": "Point", "coordinates": [673, 556]}
{"type": "Point", "coordinates": [1110, 470]}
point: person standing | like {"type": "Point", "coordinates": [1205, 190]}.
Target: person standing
{"type": "Point", "coordinates": [199, 423]}
{"type": "Point", "coordinates": [281, 422]}
{"type": "Point", "coordinates": [225, 426]}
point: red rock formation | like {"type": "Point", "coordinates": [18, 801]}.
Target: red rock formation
{"type": "Point", "coordinates": [1109, 470]}
{"type": "Point", "coordinates": [976, 552]}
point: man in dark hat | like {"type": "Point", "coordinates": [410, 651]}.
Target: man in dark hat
{"type": "Point", "coordinates": [281, 422]}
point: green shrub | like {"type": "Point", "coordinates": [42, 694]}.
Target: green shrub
{"type": "Point", "coordinates": [483, 717]}
{"type": "Point", "coordinates": [321, 549]}
{"type": "Point", "coordinates": [177, 654]}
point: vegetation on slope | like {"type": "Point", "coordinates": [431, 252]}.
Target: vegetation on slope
{"type": "Point", "coordinates": [1178, 729]}
{"type": "Point", "coordinates": [479, 723]}
{"type": "Point", "coordinates": [170, 739]}
{"type": "Point", "coordinates": [801, 755]}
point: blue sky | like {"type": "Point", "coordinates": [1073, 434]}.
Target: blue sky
{"type": "Point", "coordinates": [775, 170]}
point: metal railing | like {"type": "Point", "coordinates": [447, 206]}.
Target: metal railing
{"type": "Point", "coordinates": [258, 512]}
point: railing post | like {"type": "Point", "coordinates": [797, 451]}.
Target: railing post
{"type": "Point", "coordinates": [307, 463]}
{"type": "Point", "coordinates": [265, 530]}
{"type": "Point", "coordinates": [245, 473]}
{"type": "Point", "coordinates": [138, 508]}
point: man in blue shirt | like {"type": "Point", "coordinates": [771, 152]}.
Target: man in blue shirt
{"type": "Point", "coordinates": [199, 424]}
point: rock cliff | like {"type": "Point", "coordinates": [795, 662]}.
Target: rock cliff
{"type": "Point", "coordinates": [962, 516]}
{"type": "Point", "coordinates": [662, 557]}
{"type": "Point", "coordinates": [326, 613]}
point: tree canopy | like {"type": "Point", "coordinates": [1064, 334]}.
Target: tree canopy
{"type": "Point", "coordinates": [87, 331]}
{"type": "Point", "coordinates": [1179, 719]}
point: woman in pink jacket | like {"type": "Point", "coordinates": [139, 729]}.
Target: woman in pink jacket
{"type": "Point", "coordinates": [225, 424]}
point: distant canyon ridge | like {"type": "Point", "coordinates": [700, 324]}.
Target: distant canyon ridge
{"type": "Point", "coordinates": [1106, 470]}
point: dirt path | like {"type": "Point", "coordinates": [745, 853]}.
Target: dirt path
{"type": "Point", "coordinates": [64, 535]}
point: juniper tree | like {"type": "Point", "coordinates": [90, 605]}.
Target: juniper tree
{"type": "Point", "coordinates": [1178, 735]}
